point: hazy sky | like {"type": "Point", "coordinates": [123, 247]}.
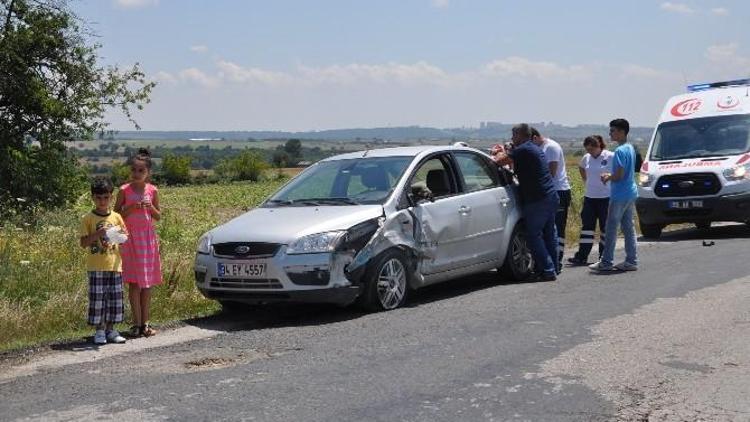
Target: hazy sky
{"type": "Point", "coordinates": [305, 65]}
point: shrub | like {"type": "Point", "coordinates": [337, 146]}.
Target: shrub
{"type": "Point", "coordinates": [38, 178]}
{"type": "Point", "coordinates": [120, 173]}
{"type": "Point", "coordinates": [248, 165]}
{"type": "Point", "coordinates": [175, 169]}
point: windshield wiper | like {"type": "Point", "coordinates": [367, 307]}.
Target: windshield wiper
{"type": "Point", "coordinates": [323, 201]}
{"type": "Point", "coordinates": [280, 201]}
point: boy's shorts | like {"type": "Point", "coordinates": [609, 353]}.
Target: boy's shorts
{"type": "Point", "coordinates": [105, 297]}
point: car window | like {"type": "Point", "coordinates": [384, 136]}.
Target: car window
{"type": "Point", "coordinates": [343, 182]}
{"type": "Point", "coordinates": [433, 178]}
{"type": "Point", "coordinates": [476, 173]}
{"type": "Point", "coordinates": [702, 137]}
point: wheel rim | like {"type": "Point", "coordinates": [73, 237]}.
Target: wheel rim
{"type": "Point", "coordinates": [391, 283]}
{"type": "Point", "coordinates": [521, 255]}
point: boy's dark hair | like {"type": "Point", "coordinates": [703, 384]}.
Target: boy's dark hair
{"type": "Point", "coordinates": [523, 129]}
{"type": "Point", "coordinates": [143, 155]}
{"type": "Point", "coordinates": [534, 133]}
{"type": "Point", "coordinates": [101, 185]}
{"type": "Point", "coordinates": [621, 124]}
{"type": "Point", "coordinates": [595, 140]}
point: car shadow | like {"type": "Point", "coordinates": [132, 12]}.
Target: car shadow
{"type": "Point", "coordinates": [300, 315]}
{"type": "Point", "coordinates": [460, 287]}
{"type": "Point", "coordinates": [724, 231]}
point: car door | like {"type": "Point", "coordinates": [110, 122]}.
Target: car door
{"type": "Point", "coordinates": [487, 202]}
{"type": "Point", "coordinates": [443, 220]}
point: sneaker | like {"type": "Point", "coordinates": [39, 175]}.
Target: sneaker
{"type": "Point", "coordinates": [100, 337]}
{"type": "Point", "coordinates": [115, 337]}
{"type": "Point", "coordinates": [626, 266]}
{"type": "Point", "coordinates": [599, 267]}
{"type": "Point", "coordinates": [576, 262]}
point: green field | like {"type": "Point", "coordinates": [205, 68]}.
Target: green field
{"type": "Point", "coordinates": [43, 290]}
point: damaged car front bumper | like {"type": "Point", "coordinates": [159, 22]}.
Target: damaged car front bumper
{"type": "Point", "coordinates": [282, 277]}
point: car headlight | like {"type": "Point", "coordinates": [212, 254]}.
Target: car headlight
{"type": "Point", "coordinates": [316, 243]}
{"type": "Point", "coordinates": [738, 172]}
{"type": "Point", "coordinates": [204, 244]}
{"type": "Point", "coordinates": [645, 179]}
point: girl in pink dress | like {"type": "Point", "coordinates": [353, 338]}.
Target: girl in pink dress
{"type": "Point", "coordinates": [138, 203]}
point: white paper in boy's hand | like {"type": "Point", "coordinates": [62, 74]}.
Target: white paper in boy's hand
{"type": "Point", "coordinates": [116, 236]}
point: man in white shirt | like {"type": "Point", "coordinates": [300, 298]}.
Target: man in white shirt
{"type": "Point", "coordinates": [555, 157]}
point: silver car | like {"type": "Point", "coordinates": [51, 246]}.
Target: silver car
{"type": "Point", "coordinates": [369, 226]}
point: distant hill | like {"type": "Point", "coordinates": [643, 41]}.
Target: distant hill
{"type": "Point", "coordinates": [487, 131]}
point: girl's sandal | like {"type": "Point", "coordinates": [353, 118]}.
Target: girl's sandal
{"type": "Point", "coordinates": [147, 330]}
{"type": "Point", "coordinates": [135, 331]}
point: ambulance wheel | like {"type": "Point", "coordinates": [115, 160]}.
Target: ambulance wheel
{"type": "Point", "coordinates": [651, 231]}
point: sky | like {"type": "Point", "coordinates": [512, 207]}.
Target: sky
{"type": "Point", "coordinates": [327, 64]}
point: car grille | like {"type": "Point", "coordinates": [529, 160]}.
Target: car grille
{"type": "Point", "coordinates": [698, 212]}
{"type": "Point", "coordinates": [689, 184]}
{"type": "Point", "coordinates": [246, 249]}
{"type": "Point", "coordinates": [246, 283]}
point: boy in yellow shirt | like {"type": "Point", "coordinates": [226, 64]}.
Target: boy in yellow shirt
{"type": "Point", "coordinates": [103, 263]}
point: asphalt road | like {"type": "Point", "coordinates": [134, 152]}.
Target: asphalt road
{"type": "Point", "coordinates": [668, 342]}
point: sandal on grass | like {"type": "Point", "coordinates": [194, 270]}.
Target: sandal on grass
{"type": "Point", "coordinates": [135, 331]}
{"type": "Point", "coordinates": [147, 330]}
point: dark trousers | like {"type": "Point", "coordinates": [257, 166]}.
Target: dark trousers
{"type": "Point", "coordinates": [541, 235]}
{"type": "Point", "coordinates": [561, 223]}
{"type": "Point", "coordinates": [594, 211]}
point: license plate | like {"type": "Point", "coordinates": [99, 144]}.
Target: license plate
{"type": "Point", "coordinates": [682, 205]}
{"type": "Point", "coordinates": [245, 270]}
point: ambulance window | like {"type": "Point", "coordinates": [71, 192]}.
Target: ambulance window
{"type": "Point", "coordinates": [704, 137]}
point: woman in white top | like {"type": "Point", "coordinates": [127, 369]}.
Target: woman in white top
{"type": "Point", "coordinates": [598, 160]}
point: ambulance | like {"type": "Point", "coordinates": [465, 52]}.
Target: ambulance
{"type": "Point", "coordinates": [697, 168]}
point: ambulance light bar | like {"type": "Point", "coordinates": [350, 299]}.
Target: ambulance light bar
{"type": "Point", "coordinates": [712, 85]}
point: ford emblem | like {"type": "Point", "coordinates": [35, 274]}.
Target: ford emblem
{"type": "Point", "coordinates": [242, 250]}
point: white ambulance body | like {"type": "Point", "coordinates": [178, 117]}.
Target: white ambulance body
{"type": "Point", "coordinates": [697, 168]}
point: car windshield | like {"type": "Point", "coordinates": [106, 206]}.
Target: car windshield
{"type": "Point", "coordinates": [343, 182]}
{"type": "Point", "coordinates": [704, 137]}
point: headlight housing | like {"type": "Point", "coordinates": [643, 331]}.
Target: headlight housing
{"type": "Point", "coordinates": [204, 244]}
{"type": "Point", "coordinates": [316, 243]}
{"type": "Point", "coordinates": [645, 179]}
{"type": "Point", "coordinates": [735, 173]}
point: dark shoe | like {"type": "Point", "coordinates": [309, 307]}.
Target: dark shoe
{"type": "Point", "coordinates": [576, 262]}
{"type": "Point", "coordinates": [135, 331]}
{"type": "Point", "coordinates": [548, 277]}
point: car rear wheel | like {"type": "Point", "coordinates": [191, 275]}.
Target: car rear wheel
{"type": "Point", "coordinates": [518, 262]}
{"type": "Point", "coordinates": [386, 282]}
{"type": "Point", "coordinates": [651, 231]}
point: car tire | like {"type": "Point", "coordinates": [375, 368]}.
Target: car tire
{"type": "Point", "coordinates": [703, 225]}
{"type": "Point", "coordinates": [518, 262]}
{"type": "Point", "coordinates": [386, 282]}
{"type": "Point", "coordinates": [651, 231]}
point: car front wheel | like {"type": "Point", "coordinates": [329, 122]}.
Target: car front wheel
{"type": "Point", "coordinates": [386, 282]}
{"type": "Point", "coordinates": [518, 262]}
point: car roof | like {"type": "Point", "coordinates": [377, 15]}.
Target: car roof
{"type": "Point", "coordinates": [398, 152]}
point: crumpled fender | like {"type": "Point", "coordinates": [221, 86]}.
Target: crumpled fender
{"type": "Point", "coordinates": [403, 230]}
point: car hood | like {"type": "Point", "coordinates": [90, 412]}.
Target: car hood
{"type": "Point", "coordinates": [285, 224]}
